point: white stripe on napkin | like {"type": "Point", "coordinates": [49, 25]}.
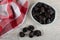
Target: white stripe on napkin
{"type": "Point", "coordinates": [16, 9]}
{"type": "Point", "coordinates": [22, 1]}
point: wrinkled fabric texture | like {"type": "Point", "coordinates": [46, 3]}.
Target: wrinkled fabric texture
{"type": "Point", "coordinates": [15, 13]}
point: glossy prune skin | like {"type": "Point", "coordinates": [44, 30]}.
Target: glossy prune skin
{"type": "Point", "coordinates": [21, 34]}
{"type": "Point", "coordinates": [31, 34]}
{"type": "Point", "coordinates": [30, 27]}
{"type": "Point", "coordinates": [37, 33]}
{"type": "Point", "coordinates": [43, 13]}
{"type": "Point", "coordinates": [25, 29]}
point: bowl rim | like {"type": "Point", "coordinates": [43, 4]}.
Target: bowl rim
{"type": "Point", "coordinates": [31, 13]}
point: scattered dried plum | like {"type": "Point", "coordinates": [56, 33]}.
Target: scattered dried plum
{"type": "Point", "coordinates": [21, 34]}
{"type": "Point", "coordinates": [30, 27]}
{"type": "Point", "coordinates": [25, 29]}
{"type": "Point", "coordinates": [31, 34]}
{"type": "Point", "coordinates": [37, 33]}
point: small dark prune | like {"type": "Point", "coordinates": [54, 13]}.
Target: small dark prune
{"type": "Point", "coordinates": [31, 34]}
{"type": "Point", "coordinates": [37, 33]}
{"type": "Point", "coordinates": [25, 29]}
{"type": "Point", "coordinates": [21, 34]}
{"type": "Point", "coordinates": [30, 27]}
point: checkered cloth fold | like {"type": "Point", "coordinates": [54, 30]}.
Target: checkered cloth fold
{"type": "Point", "coordinates": [15, 10]}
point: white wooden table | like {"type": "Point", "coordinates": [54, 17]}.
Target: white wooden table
{"type": "Point", "coordinates": [49, 32]}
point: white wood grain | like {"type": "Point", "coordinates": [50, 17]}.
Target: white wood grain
{"type": "Point", "coordinates": [49, 32]}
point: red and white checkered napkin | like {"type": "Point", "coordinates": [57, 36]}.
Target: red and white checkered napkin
{"type": "Point", "coordinates": [12, 14]}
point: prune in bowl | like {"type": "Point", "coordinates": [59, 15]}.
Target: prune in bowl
{"type": "Point", "coordinates": [42, 13]}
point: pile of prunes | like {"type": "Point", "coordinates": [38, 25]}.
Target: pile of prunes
{"type": "Point", "coordinates": [43, 13]}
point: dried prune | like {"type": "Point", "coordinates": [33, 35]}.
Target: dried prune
{"type": "Point", "coordinates": [25, 29]}
{"type": "Point", "coordinates": [30, 27]}
{"type": "Point", "coordinates": [21, 34]}
{"type": "Point", "coordinates": [31, 34]}
{"type": "Point", "coordinates": [37, 33]}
